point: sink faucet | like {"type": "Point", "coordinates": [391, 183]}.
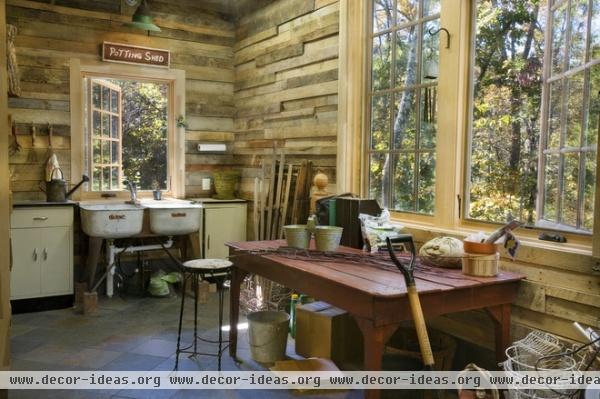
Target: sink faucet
{"type": "Point", "coordinates": [132, 190]}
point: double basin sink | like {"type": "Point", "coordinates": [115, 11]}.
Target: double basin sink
{"type": "Point", "coordinates": [120, 220]}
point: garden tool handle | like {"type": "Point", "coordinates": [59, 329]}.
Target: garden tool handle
{"type": "Point", "coordinates": [420, 326]}
{"type": "Point", "coordinates": [406, 270]}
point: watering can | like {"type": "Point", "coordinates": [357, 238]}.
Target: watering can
{"type": "Point", "coordinates": [56, 189]}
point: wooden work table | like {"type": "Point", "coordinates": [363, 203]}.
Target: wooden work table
{"type": "Point", "coordinates": [375, 295]}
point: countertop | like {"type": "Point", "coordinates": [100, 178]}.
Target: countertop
{"type": "Point", "coordinates": [39, 203]}
{"type": "Point", "coordinates": [217, 201]}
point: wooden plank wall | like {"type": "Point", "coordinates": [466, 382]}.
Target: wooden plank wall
{"type": "Point", "coordinates": [286, 85]}
{"type": "Point", "coordinates": [200, 36]}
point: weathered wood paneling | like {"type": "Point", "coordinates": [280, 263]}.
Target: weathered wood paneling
{"type": "Point", "coordinates": [200, 36]}
{"type": "Point", "coordinates": [286, 84]}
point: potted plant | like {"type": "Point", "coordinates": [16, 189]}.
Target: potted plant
{"type": "Point", "coordinates": [156, 191]}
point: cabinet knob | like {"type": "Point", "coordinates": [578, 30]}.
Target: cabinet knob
{"type": "Point", "coordinates": [44, 254]}
{"type": "Point", "coordinates": [42, 218]}
{"type": "Point", "coordinates": [35, 256]}
{"type": "Point", "coordinates": [208, 242]}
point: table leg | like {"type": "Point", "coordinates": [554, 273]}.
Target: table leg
{"type": "Point", "coordinates": [500, 315]}
{"type": "Point", "coordinates": [237, 277]}
{"type": "Point", "coordinates": [374, 338]}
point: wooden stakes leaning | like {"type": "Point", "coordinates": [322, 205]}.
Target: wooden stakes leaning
{"type": "Point", "coordinates": [271, 196]}
{"type": "Point", "coordinates": [255, 208]}
{"type": "Point", "coordinates": [275, 229]}
{"type": "Point", "coordinates": [286, 197]}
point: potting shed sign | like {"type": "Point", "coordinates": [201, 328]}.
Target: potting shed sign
{"type": "Point", "coordinates": [128, 54]}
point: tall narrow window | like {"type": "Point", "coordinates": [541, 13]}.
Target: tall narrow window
{"type": "Point", "coordinates": [403, 104]}
{"type": "Point", "coordinates": [508, 58]}
{"type": "Point", "coordinates": [535, 105]}
{"type": "Point", "coordinates": [568, 164]}
{"type": "Point", "coordinates": [105, 125]}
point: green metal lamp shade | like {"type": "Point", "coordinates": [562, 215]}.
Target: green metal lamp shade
{"type": "Point", "coordinates": [142, 19]}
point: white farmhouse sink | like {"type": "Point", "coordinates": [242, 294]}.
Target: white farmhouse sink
{"type": "Point", "coordinates": [111, 221]}
{"type": "Point", "coordinates": [173, 217]}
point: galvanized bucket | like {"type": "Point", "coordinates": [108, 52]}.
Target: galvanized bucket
{"type": "Point", "coordinates": [297, 235]}
{"type": "Point", "coordinates": [328, 238]}
{"type": "Point", "coordinates": [268, 332]}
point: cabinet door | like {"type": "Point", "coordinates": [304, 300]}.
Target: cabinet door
{"type": "Point", "coordinates": [221, 225]}
{"type": "Point", "coordinates": [56, 262]}
{"type": "Point", "coordinates": [25, 275]}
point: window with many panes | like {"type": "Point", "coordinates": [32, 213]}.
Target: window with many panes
{"type": "Point", "coordinates": [128, 122]}
{"type": "Point", "coordinates": [105, 125]}
{"type": "Point", "coordinates": [534, 112]}
{"type": "Point", "coordinates": [403, 104]}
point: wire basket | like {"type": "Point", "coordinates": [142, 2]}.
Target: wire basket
{"type": "Point", "coordinates": [530, 354]}
{"type": "Point", "coordinates": [540, 342]}
{"type": "Point", "coordinates": [258, 293]}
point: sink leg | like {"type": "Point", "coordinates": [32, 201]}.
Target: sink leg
{"type": "Point", "coordinates": [110, 268]}
{"type": "Point", "coordinates": [110, 280]}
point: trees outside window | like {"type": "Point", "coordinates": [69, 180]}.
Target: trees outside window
{"type": "Point", "coordinates": [403, 104]}
{"type": "Point", "coordinates": [129, 133]}
{"type": "Point", "coordinates": [534, 112]}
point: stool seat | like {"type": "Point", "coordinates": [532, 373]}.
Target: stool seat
{"type": "Point", "coordinates": [207, 265]}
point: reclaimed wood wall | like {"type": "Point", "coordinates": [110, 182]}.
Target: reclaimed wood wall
{"type": "Point", "coordinates": [286, 85]}
{"type": "Point", "coordinates": [200, 36]}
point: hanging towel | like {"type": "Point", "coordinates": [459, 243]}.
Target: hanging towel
{"type": "Point", "coordinates": [52, 167]}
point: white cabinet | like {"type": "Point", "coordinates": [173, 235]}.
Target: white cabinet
{"type": "Point", "coordinates": [223, 222]}
{"type": "Point", "coordinates": [42, 250]}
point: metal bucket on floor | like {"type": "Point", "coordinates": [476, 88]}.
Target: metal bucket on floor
{"type": "Point", "coordinates": [268, 332]}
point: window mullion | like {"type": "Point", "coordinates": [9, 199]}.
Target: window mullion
{"type": "Point", "coordinates": [390, 165]}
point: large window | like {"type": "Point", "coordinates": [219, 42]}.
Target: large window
{"type": "Point", "coordinates": [403, 104]}
{"type": "Point", "coordinates": [128, 121]}
{"type": "Point", "coordinates": [534, 112]}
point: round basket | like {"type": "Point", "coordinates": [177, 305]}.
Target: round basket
{"type": "Point", "coordinates": [405, 343]}
{"type": "Point", "coordinates": [481, 265]}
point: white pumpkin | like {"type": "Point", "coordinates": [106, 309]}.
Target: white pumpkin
{"type": "Point", "coordinates": [443, 252]}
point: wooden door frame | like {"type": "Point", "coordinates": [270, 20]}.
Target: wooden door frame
{"type": "Point", "coordinates": [5, 312]}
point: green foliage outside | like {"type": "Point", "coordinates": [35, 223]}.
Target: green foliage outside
{"type": "Point", "coordinates": [509, 51]}
{"type": "Point", "coordinates": [404, 121]}
{"type": "Point", "coordinates": [145, 107]}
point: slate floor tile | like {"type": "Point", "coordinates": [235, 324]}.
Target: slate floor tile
{"type": "Point", "coordinates": [155, 347]}
{"type": "Point", "coordinates": [121, 343]}
{"type": "Point", "coordinates": [134, 362]}
{"type": "Point", "coordinates": [90, 358]}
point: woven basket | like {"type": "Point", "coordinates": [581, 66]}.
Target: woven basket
{"type": "Point", "coordinates": [225, 183]}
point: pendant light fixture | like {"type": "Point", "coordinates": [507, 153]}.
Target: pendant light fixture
{"type": "Point", "coordinates": [142, 19]}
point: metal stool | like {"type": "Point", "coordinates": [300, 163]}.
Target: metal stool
{"type": "Point", "coordinates": [217, 270]}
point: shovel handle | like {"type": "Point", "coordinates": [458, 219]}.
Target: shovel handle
{"type": "Point", "coordinates": [420, 326]}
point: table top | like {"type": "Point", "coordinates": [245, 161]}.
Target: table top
{"type": "Point", "coordinates": [379, 280]}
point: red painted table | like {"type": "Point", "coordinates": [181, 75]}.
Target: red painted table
{"type": "Point", "coordinates": [375, 295]}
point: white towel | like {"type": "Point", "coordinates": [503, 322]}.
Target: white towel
{"type": "Point", "coordinates": [52, 168]}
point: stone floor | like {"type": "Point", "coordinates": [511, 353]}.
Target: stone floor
{"type": "Point", "coordinates": [130, 333]}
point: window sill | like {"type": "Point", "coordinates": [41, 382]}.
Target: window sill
{"type": "Point", "coordinates": [528, 238]}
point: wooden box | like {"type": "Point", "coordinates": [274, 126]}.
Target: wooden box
{"type": "Point", "coordinates": [325, 331]}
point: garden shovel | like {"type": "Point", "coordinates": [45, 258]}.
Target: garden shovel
{"type": "Point", "coordinates": [413, 296]}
